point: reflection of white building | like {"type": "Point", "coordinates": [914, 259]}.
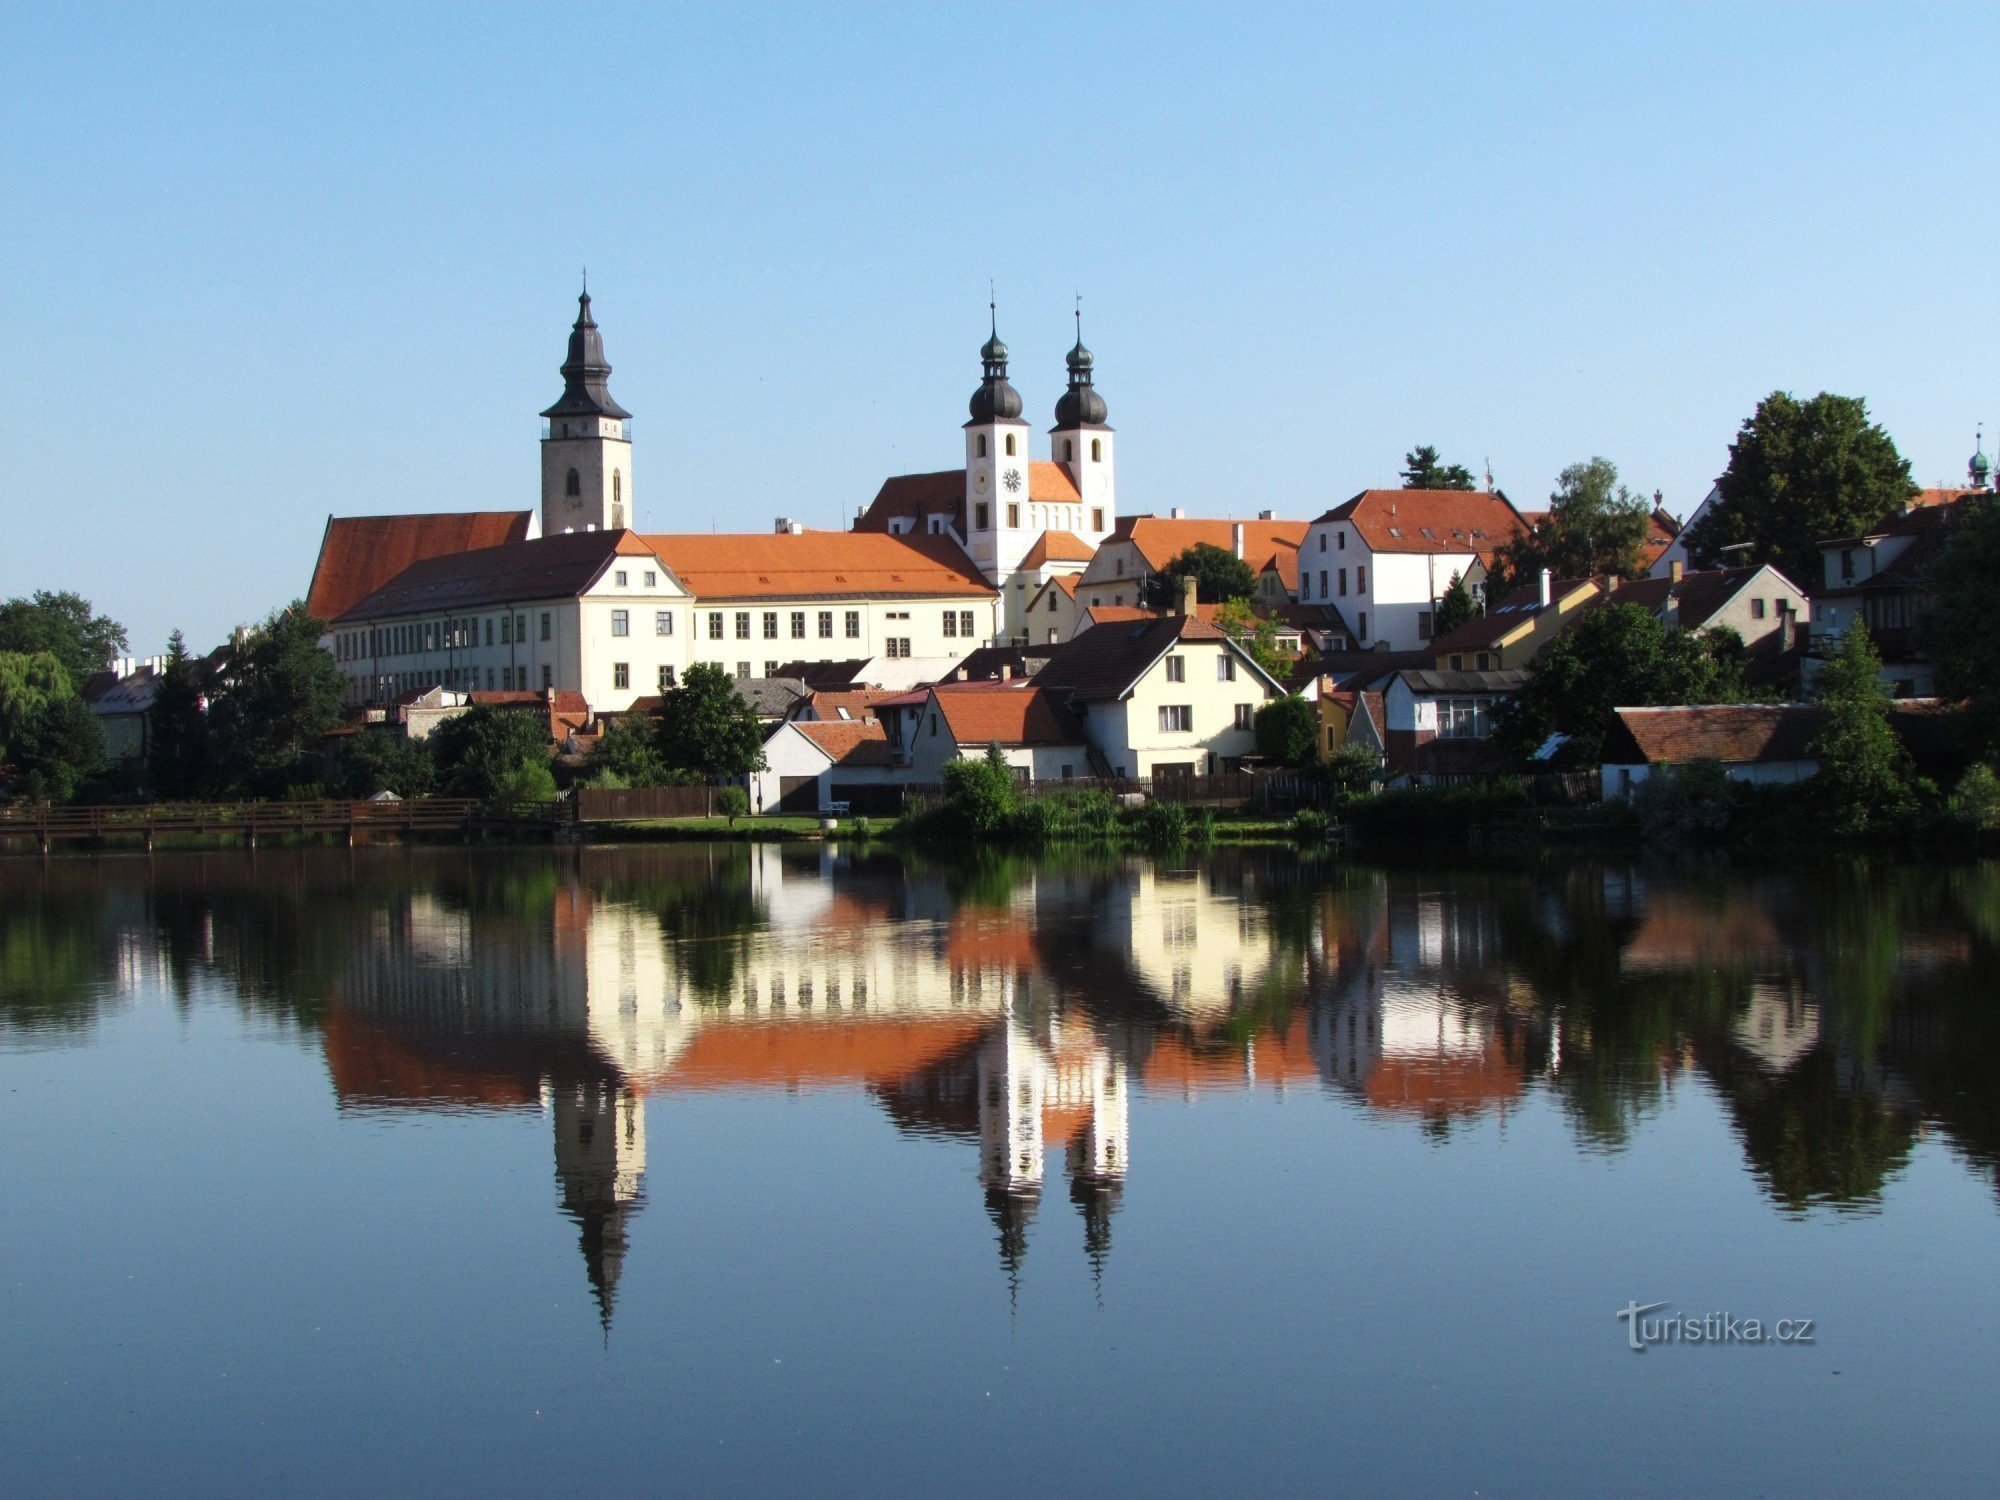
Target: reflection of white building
{"type": "Point", "coordinates": [1778, 1027]}
{"type": "Point", "coordinates": [1197, 948]}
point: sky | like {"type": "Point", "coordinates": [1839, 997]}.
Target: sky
{"type": "Point", "coordinates": [263, 264]}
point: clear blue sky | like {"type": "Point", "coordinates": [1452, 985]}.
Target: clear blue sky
{"type": "Point", "coordinates": [263, 263]}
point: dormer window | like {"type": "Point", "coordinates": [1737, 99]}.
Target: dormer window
{"type": "Point", "coordinates": [574, 484]}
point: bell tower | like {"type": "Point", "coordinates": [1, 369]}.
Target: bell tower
{"type": "Point", "coordinates": [996, 467]}
{"type": "Point", "coordinates": [586, 441]}
{"type": "Point", "coordinates": [1081, 442]}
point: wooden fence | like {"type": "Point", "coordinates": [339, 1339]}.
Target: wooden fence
{"type": "Point", "coordinates": [249, 821]}
{"type": "Point", "coordinates": [594, 805]}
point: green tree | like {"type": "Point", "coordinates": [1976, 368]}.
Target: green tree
{"type": "Point", "coordinates": [29, 682]}
{"type": "Point", "coordinates": [493, 754]}
{"type": "Point", "coordinates": [375, 760]}
{"type": "Point", "coordinates": [1799, 473]}
{"type": "Point", "coordinates": [1455, 608]}
{"type": "Point", "coordinates": [983, 793]}
{"type": "Point", "coordinates": [176, 727]}
{"type": "Point", "coordinates": [1422, 471]}
{"type": "Point", "coordinates": [707, 727]}
{"type": "Point", "coordinates": [1288, 731]}
{"type": "Point", "coordinates": [59, 750]}
{"type": "Point", "coordinates": [1218, 575]}
{"type": "Point", "coordinates": [279, 695]}
{"type": "Point", "coordinates": [1865, 776]}
{"type": "Point", "coordinates": [1254, 634]}
{"type": "Point", "coordinates": [1957, 628]}
{"type": "Point", "coordinates": [1594, 525]}
{"type": "Point", "coordinates": [1620, 657]}
{"type": "Point", "coordinates": [64, 626]}
{"type": "Point", "coordinates": [628, 751]}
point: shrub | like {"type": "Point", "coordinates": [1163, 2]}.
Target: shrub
{"type": "Point", "coordinates": [1288, 731]}
{"type": "Point", "coordinates": [981, 794]}
{"type": "Point", "coordinates": [1685, 804]}
{"type": "Point", "coordinates": [1160, 824]}
{"type": "Point", "coordinates": [1976, 802]}
{"type": "Point", "coordinates": [1067, 815]}
{"type": "Point", "coordinates": [531, 781]}
{"type": "Point", "coordinates": [1353, 768]}
{"type": "Point", "coordinates": [733, 802]}
{"type": "Point", "coordinates": [1309, 823]}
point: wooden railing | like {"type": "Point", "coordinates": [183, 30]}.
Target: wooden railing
{"type": "Point", "coordinates": [250, 821]}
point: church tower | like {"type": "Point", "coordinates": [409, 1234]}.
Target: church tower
{"type": "Point", "coordinates": [600, 1132]}
{"type": "Point", "coordinates": [996, 469]}
{"type": "Point", "coordinates": [586, 441]}
{"type": "Point", "coordinates": [1081, 441]}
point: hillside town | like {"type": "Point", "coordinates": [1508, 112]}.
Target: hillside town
{"type": "Point", "coordinates": [1017, 608]}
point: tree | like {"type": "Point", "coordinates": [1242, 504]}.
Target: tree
{"type": "Point", "coordinates": [279, 695]}
{"type": "Point", "coordinates": [1619, 657]}
{"type": "Point", "coordinates": [379, 760]}
{"type": "Point", "coordinates": [63, 626]}
{"type": "Point", "coordinates": [29, 682]}
{"type": "Point", "coordinates": [493, 754]}
{"type": "Point", "coordinates": [1422, 471]}
{"type": "Point", "coordinates": [708, 728]}
{"type": "Point", "coordinates": [1800, 473]}
{"type": "Point", "coordinates": [1218, 575]}
{"type": "Point", "coordinates": [983, 793]}
{"type": "Point", "coordinates": [1288, 731]}
{"type": "Point", "coordinates": [177, 728]}
{"type": "Point", "coordinates": [1594, 525]}
{"type": "Point", "coordinates": [629, 751]}
{"type": "Point", "coordinates": [1957, 629]}
{"type": "Point", "coordinates": [1455, 608]}
{"type": "Point", "coordinates": [1254, 634]}
{"type": "Point", "coordinates": [1865, 775]}
{"type": "Point", "coordinates": [48, 734]}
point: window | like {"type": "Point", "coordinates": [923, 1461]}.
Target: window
{"type": "Point", "coordinates": [1013, 514]}
{"type": "Point", "coordinates": [1177, 669]}
{"type": "Point", "coordinates": [521, 629]}
{"type": "Point", "coordinates": [979, 516]}
{"type": "Point", "coordinates": [770, 668]}
{"type": "Point", "coordinates": [798, 624]}
{"type": "Point", "coordinates": [897, 646]}
{"type": "Point", "coordinates": [506, 630]}
{"type": "Point", "coordinates": [621, 674]}
{"type": "Point", "coordinates": [826, 624]}
{"type": "Point", "coordinates": [545, 624]}
{"type": "Point", "coordinates": [1010, 445]}
{"type": "Point", "coordinates": [1756, 609]}
{"type": "Point", "coordinates": [770, 624]}
{"type": "Point", "coordinates": [1052, 601]}
{"type": "Point", "coordinates": [489, 672]}
{"type": "Point", "coordinates": [951, 622]}
{"type": "Point", "coordinates": [743, 626]}
{"type": "Point", "coordinates": [1462, 719]}
{"type": "Point", "coordinates": [934, 724]}
{"type": "Point", "coordinates": [1361, 625]}
{"type": "Point", "coordinates": [617, 487]}
{"type": "Point", "coordinates": [1097, 518]}
{"type": "Point", "coordinates": [1343, 584]}
{"type": "Point", "coordinates": [489, 630]}
{"type": "Point", "coordinates": [548, 680]}
{"type": "Point", "coordinates": [743, 669]}
{"type": "Point", "coordinates": [979, 445]}
{"type": "Point", "coordinates": [1225, 668]}
{"type": "Point", "coordinates": [715, 625]}
{"type": "Point", "coordinates": [1340, 541]}
{"type": "Point", "coordinates": [663, 622]}
{"type": "Point", "coordinates": [965, 623]}
{"type": "Point", "coordinates": [1246, 715]}
{"type": "Point", "coordinates": [652, 578]}
{"type": "Point", "coordinates": [853, 624]}
{"type": "Point", "coordinates": [666, 678]}
{"type": "Point", "coordinates": [1847, 564]}
{"type": "Point", "coordinates": [1322, 541]}
{"type": "Point", "coordinates": [1361, 579]}
{"type": "Point", "coordinates": [574, 484]}
{"type": "Point", "coordinates": [621, 622]}
{"type": "Point", "coordinates": [1423, 624]}
{"type": "Point", "coordinates": [621, 579]}
{"type": "Point", "coordinates": [1457, 662]}
{"type": "Point", "coordinates": [1069, 450]}
{"type": "Point", "coordinates": [1484, 663]}
{"type": "Point", "coordinates": [1176, 718]}
{"type": "Point", "coordinates": [1097, 450]}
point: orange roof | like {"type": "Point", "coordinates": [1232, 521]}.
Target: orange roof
{"type": "Point", "coordinates": [1162, 539]}
{"type": "Point", "coordinates": [358, 554]}
{"type": "Point", "coordinates": [1431, 520]}
{"type": "Point", "coordinates": [1004, 713]}
{"type": "Point", "coordinates": [372, 1066]}
{"type": "Point", "coordinates": [991, 939]}
{"type": "Point", "coordinates": [737, 1054]}
{"type": "Point", "coordinates": [1058, 546]}
{"type": "Point", "coordinates": [859, 703]}
{"type": "Point", "coordinates": [1285, 562]}
{"type": "Point", "coordinates": [1444, 1085]}
{"type": "Point", "coordinates": [914, 497]}
{"type": "Point", "coordinates": [820, 564]}
{"type": "Point", "coordinates": [1281, 1057]}
{"type": "Point", "coordinates": [853, 742]}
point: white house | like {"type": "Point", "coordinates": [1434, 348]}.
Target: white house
{"type": "Point", "coordinates": [1036, 733]}
{"type": "Point", "coordinates": [814, 766]}
{"type": "Point", "coordinates": [1386, 557]}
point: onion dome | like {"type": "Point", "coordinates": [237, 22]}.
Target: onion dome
{"type": "Point", "coordinates": [586, 372]}
{"type": "Point", "coordinates": [995, 400]}
{"type": "Point", "coordinates": [1080, 405]}
{"type": "Point", "coordinates": [1979, 469]}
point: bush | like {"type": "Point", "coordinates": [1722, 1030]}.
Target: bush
{"type": "Point", "coordinates": [1976, 802]}
{"type": "Point", "coordinates": [864, 828]}
{"type": "Point", "coordinates": [1688, 804]}
{"type": "Point", "coordinates": [1068, 815]}
{"type": "Point", "coordinates": [1160, 824]}
{"type": "Point", "coordinates": [1353, 768]}
{"type": "Point", "coordinates": [733, 802]}
{"type": "Point", "coordinates": [532, 781]}
{"type": "Point", "coordinates": [1310, 823]}
{"type": "Point", "coordinates": [981, 794]}
{"type": "Point", "coordinates": [1436, 812]}
{"type": "Point", "coordinates": [1288, 731]}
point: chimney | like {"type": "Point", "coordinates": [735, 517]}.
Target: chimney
{"type": "Point", "coordinates": [788, 527]}
{"type": "Point", "coordinates": [1006, 671]}
{"type": "Point", "coordinates": [1177, 513]}
{"type": "Point", "coordinates": [1542, 591]}
{"type": "Point", "coordinates": [1267, 515]}
{"type": "Point", "coordinates": [1187, 597]}
{"type": "Point", "coordinates": [1677, 570]}
{"type": "Point", "coordinates": [1611, 583]}
{"type": "Point", "coordinates": [1236, 538]}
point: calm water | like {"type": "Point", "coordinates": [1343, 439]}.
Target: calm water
{"type": "Point", "coordinates": [754, 1171]}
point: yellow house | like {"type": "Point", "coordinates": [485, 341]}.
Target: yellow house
{"type": "Point", "coordinates": [1513, 632]}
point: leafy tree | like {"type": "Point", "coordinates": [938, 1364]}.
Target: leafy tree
{"type": "Point", "coordinates": [1619, 657]}
{"type": "Point", "coordinates": [1422, 471]}
{"type": "Point", "coordinates": [1865, 776]}
{"type": "Point", "coordinates": [29, 682]}
{"type": "Point", "coordinates": [380, 760]}
{"type": "Point", "coordinates": [279, 695]}
{"type": "Point", "coordinates": [63, 626]}
{"type": "Point", "coordinates": [1455, 608]}
{"type": "Point", "coordinates": [1594, 525]}
{"type": "Point", "coordinates": [707, 727]}
{"type": "Point", "coordinates": [1353, 768]}
{"type": "Point", "coordinates": [1799, 473]}
{"type": "Point", "coordinates": [629, 750]}
{"type": "Point", "coordinates": [1254, 634]}
{"type": "Point", "coordinates": [48, 734]}
{"type": "Point", "coordinates": [492, 754]}
{"type": "Point", "coordinates": [1218, 575]}
{"type": "Point", "coordinates": [1288, 731]}
{"type": "Point", "coordinates": [983, 793]}
{"type": "Point", "coordinates": [176, 727]}
{"type": "Point", "coordinates": [1958, 627]}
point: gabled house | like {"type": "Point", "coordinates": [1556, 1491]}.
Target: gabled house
{"type": "Point", "coordinates": [1883, 579]}
{"type": "Point", "coordinates": [1050, 616]}
{"type": "Point", "coordinates": [812, 766]}
{"type": "Point", "coordinates": [1513, 631]}
{"type": "Point", "coordinates": [1140, 546]}
{"type": "Point", "coordinates": [1035, 731]}
{"type": "Point", "coordinates": [1437, 724]}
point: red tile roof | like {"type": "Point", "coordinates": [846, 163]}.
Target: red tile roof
{"type": "Point", "coordinates": [1160, 540]}
{"type": "Point", "coordinates": [849, 743]}
{"type": "Point", "coordinates": [1004, 713]}
{"type": "Point", "coordinates": [1058, 546]}
{"type": "Point", "coordinates": [1285, 562]}
{"type": "Point", "coordinates": [1106, 660]}
{"type": "Point", "coordinates": [548, 567]}
{"type": "Point", "coordinates": [859, 703]}
{"type": "Point", "coordinates": [358, 554]}
{"type": "Point", "coordinates": [566, 710]}
{"type": "Point", "coordinates": [914, 497]}
{"type": "Point", "coordinates": [1431, 521]}
{"type": "Point", "coordinates": [820, 564]}
{"type": "Point", "coordinates": [1730, 732]}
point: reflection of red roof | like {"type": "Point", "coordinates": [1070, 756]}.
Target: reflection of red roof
{"type": "Point", "coordinates": [372, 1067]}
{"type": "Point", "coordinates": [746, 1054]}
{"type": "Point", "coordinates": [1447, 1084]}
{"type": "Point", "coordinates": [358, 554]}
{"type": "Point", "coordinates": [991, 939]}
{"type": "Point", "coordinates": [1279, 1057]}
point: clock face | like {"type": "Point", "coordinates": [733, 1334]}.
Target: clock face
{"type": "Point", "coordinates": [1012, 479]}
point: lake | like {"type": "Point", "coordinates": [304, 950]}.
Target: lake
{"type": "Point", "coordinates": [759, 1169]}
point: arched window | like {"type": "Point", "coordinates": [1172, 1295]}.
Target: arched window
{"type": "Point", "coordinates": [981, 444]}
{"type": "Point", "coordinates": [1069, 450]}
{"type": "Point", "coordinates": [1097, 450]}
{"type": "Point", "coordinates": [574, 484]}
{"type": "Point", "coordinates": [617, 486]}
{"type": "Point", "coordinates": [1010, 445]}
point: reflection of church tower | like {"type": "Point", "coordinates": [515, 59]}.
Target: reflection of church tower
{"type": "Point", "coordinates": [1012, 1083]}
{"type": "Point", "coordinates": [601, 1168]}
{"type": "Point", "coordinates": [1097, 1157]}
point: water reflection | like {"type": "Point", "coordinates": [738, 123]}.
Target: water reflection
{"type": "Point", "coordinates": [1014, 1008]}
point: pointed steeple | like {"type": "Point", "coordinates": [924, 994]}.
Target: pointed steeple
{"type": "Point", "coordinates": [1080, 406]}
{"type": "Point", "coordinates": [995, 400]}
{"type": "Point", "coordinates": [586, 372]}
